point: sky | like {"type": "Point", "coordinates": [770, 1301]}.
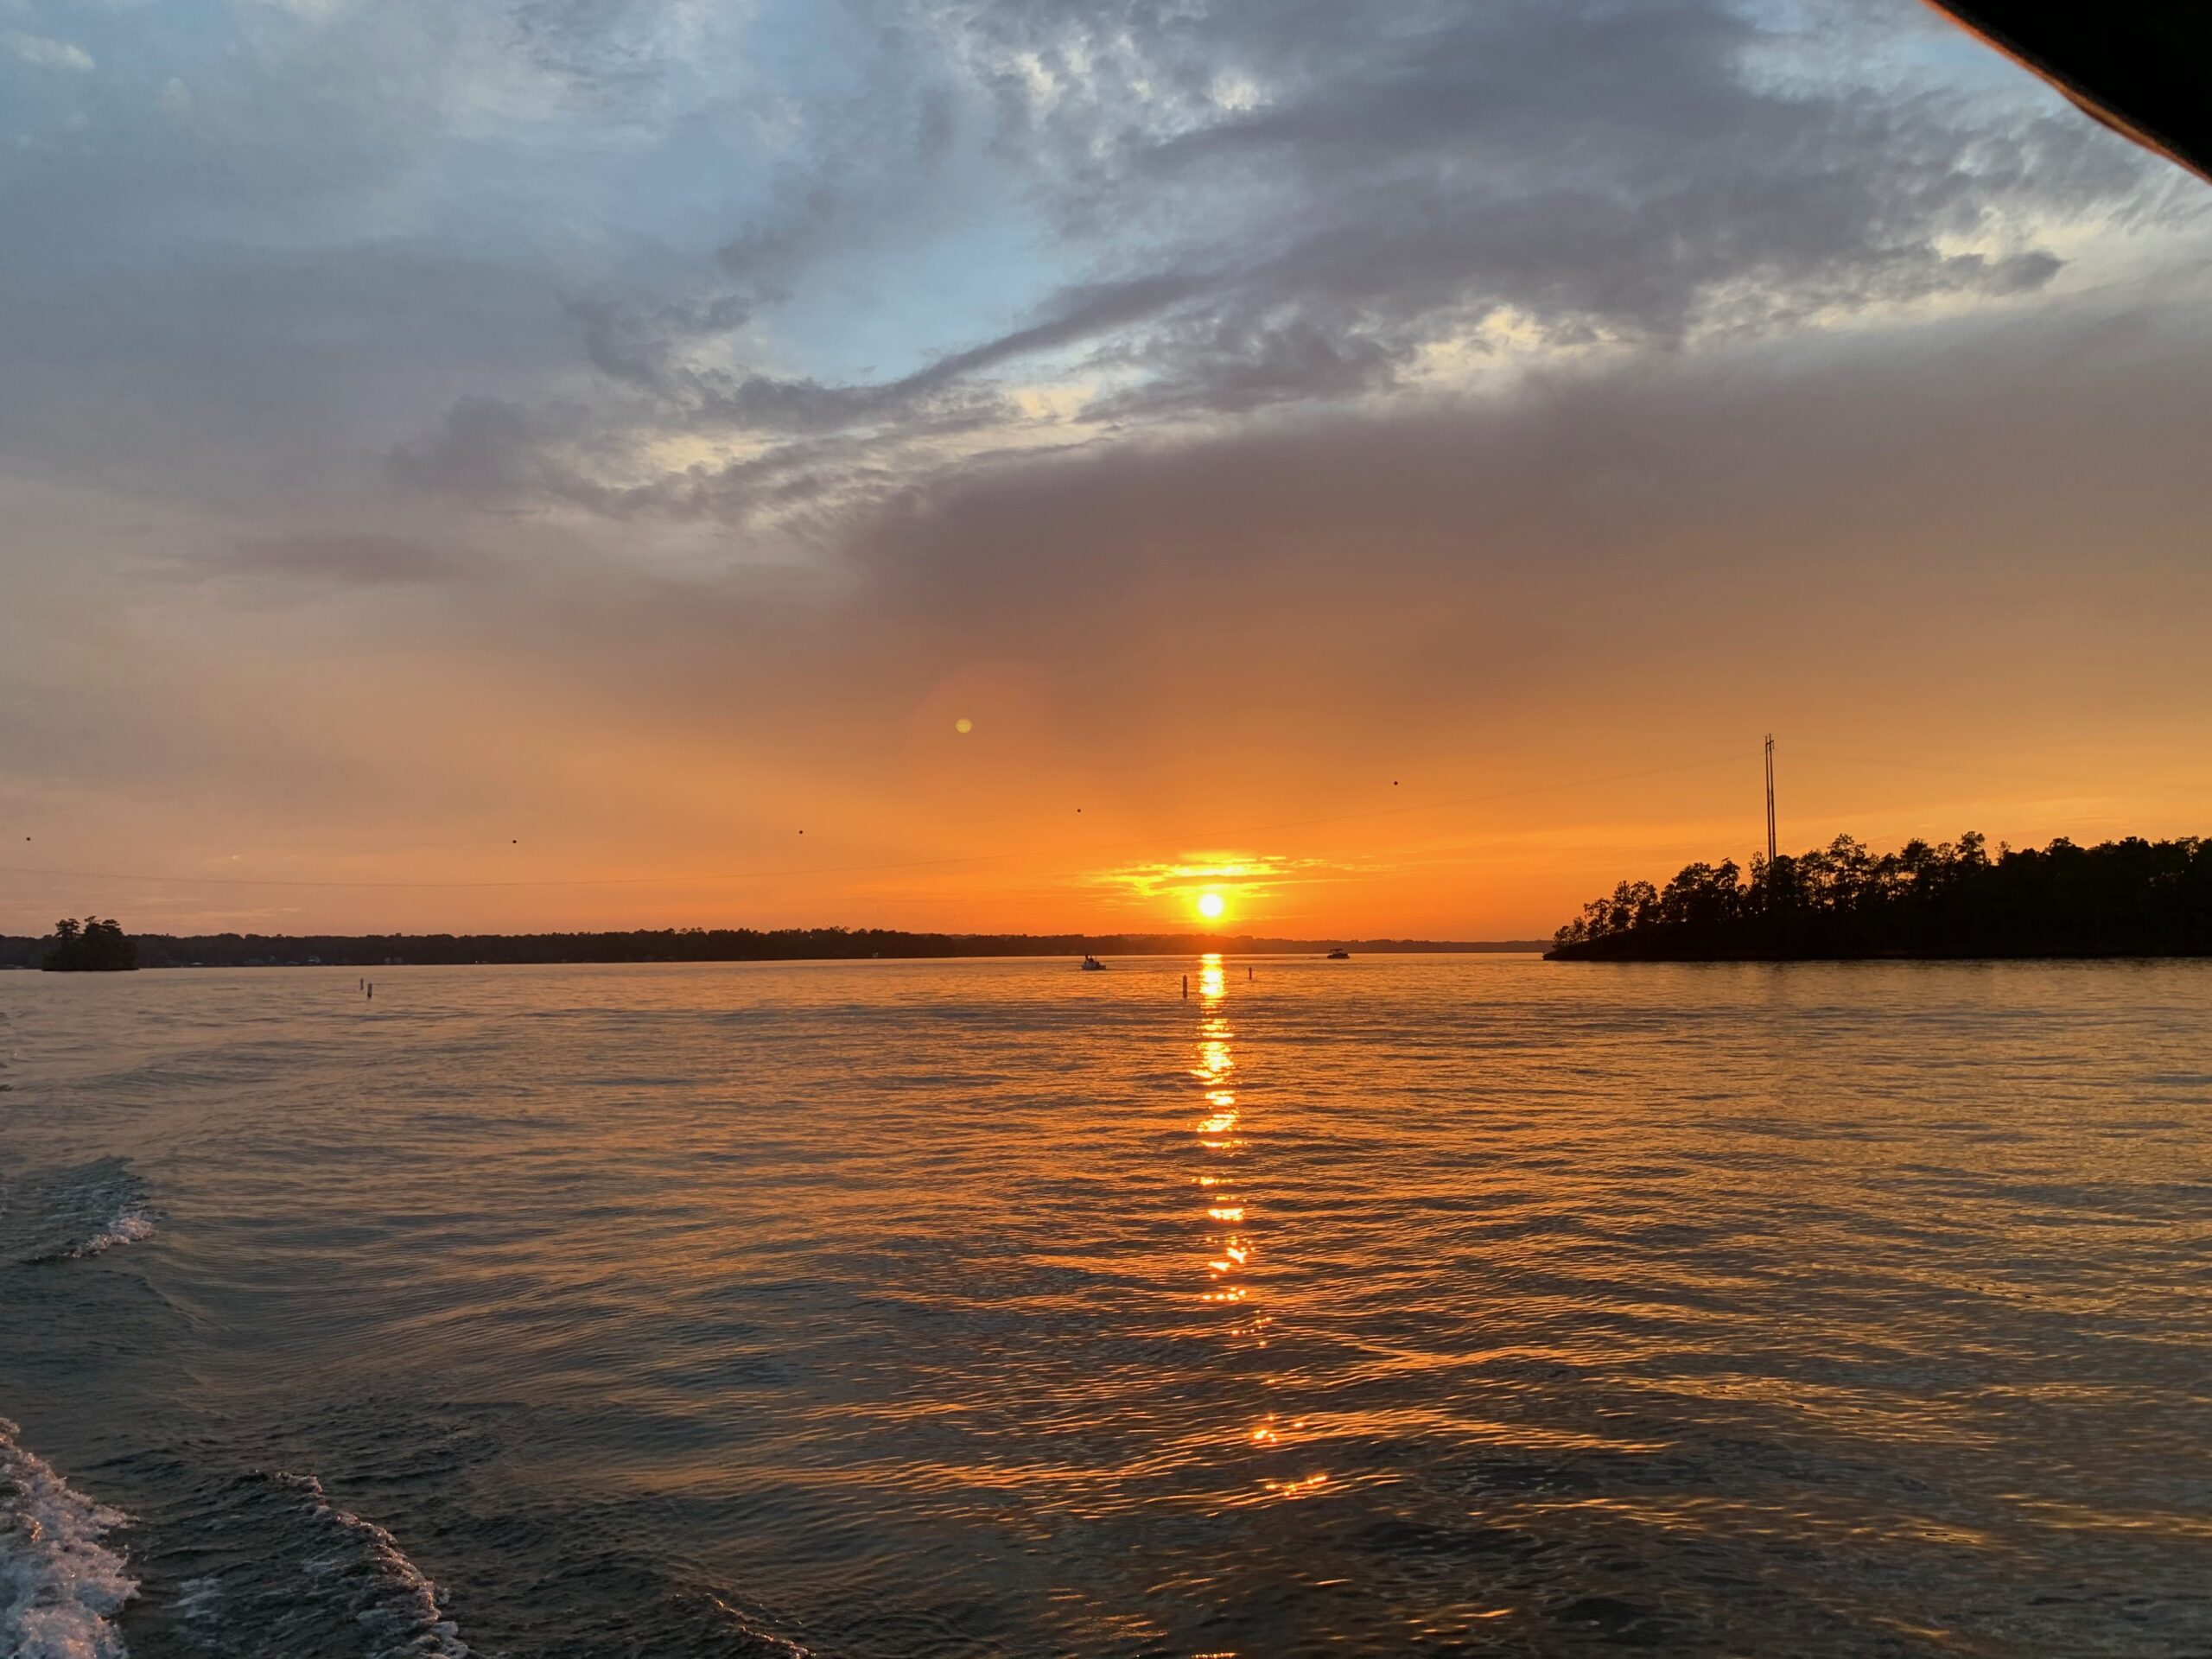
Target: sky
{"type": "Point", "coordinates": [1019, 464]}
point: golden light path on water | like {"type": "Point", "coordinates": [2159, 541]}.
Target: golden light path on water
{"type": "Point", "coordinates": [1232, 1280]}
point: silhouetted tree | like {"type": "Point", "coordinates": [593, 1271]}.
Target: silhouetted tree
{"type": "Point", "coordinates": [2124, 898]}
{"type": "Point", "coordinates": [95, 946]}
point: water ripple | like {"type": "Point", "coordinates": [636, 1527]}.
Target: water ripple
{"type": "Point", "coordinates": [897, 1311]}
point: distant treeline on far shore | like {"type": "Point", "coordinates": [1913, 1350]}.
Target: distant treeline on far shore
{"type": "Point", "coordinates": [2131, 898]}
{"type": "Point", "coordinates": [693, 944]}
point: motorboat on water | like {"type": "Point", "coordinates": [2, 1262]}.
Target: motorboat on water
{"type": "Point", "coordinates": [1338, 955]}
{"type": "Point", "coordinates": [1091, 964]}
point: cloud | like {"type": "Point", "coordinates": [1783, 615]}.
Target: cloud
{"type": "Point", "coordinates": [641, 261]}
{"type": "Point", "coordinates": [1286, 205]}
{"type": "Point", "coordinates": [1983, 538]}
{"type": "Point", "coordinates": [41, 52]}
{"type": "Point", "coordinates": [487, 448]}
{"type": "Point", "coordinates": [1246, 876]}
{"type": "Point", "coordinates": [619, 52]}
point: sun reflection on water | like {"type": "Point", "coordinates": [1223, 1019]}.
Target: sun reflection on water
{"type": "Point", "coordinates": [1231, 1246]}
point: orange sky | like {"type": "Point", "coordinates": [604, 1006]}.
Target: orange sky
{"type": "Point", "coordinates": [1424, 681]}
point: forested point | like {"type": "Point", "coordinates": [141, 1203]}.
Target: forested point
{"type": "Point", "coordinates": [92, 946]}
{"type": "Point", "coordinates": [2132, 898]}
{"type": "Point", "coordinates": [694, 945]}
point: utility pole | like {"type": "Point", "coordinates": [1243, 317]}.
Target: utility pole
{"type": "Point", "coordinates": [1769, 797]}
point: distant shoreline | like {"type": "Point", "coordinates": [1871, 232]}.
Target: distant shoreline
{"type": "Point", "coordinates": [715, 944]}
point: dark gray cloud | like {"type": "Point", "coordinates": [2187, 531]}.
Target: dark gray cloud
{"type": "Point", "coordinates": [1287, 203]}
{"type": "Point", "coordinates": [639, 344]}
{"type": "Point", "coordinates": [618, 258]}
{"type": "Point", "coordinates": [343, 561]}
{"type": "Point", "coordinates": [1640, 553]}
{"type": "Point", "coordinates": [488, 447]}
{"type": "Point", "coordinates": [1601, 533]}
{"type": "Point", "coordinates": [1595, 169]}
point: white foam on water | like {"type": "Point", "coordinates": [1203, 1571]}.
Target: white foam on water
{"type": "Point", "coordinates": [60, 1585]}
{"type": "Point", "coordinates": [758, 1640]}
{"type": "Point", "coordinates": [391, 1599]}
{"type": "Point", "coordinates": [66, 1215]}
{"type": "Point", "coordinates": [130, 1225]}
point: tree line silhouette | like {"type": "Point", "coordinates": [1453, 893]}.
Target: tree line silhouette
{"type": "Point", "coordinates": [683, 944]}
{"type": "Point", "coordinates": [92, 946]}
{"type": "Point", "coordinates": [2131, 898]}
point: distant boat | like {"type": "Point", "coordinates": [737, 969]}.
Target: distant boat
{"type": "Point", "coordinates": [1091, 964]}
{"type": "Point", "coordinates": [1338, 955]}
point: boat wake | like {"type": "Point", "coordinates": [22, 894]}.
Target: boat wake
{"type": "Point", "coordinates": [66, 1215]}
{"type": "Point", "coordinates": [61, 1586]}
{"type": "Point", "coordinates": [271, 1565]}
{"type": "Point", "coordinates": [335, 1571]}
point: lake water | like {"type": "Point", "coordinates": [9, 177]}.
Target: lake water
{"type": "Point", "coordinates": [893, 1309]}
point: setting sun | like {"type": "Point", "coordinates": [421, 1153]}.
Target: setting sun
{"type": "Point", "coordinates": [1212, 905]}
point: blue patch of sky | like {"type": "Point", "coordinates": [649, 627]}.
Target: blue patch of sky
{"type": "Point", "coordinates": [247, 159]}
{"type": "Point", "coordinates": [881, 314]}
{"type": "Point", "coordinates": [1821, 43]}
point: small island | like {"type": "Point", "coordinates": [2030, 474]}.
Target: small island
{"type": "Point", "coordinates": [2131, 898]}
{"type": "Point", "coordinates": [92, 946]}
